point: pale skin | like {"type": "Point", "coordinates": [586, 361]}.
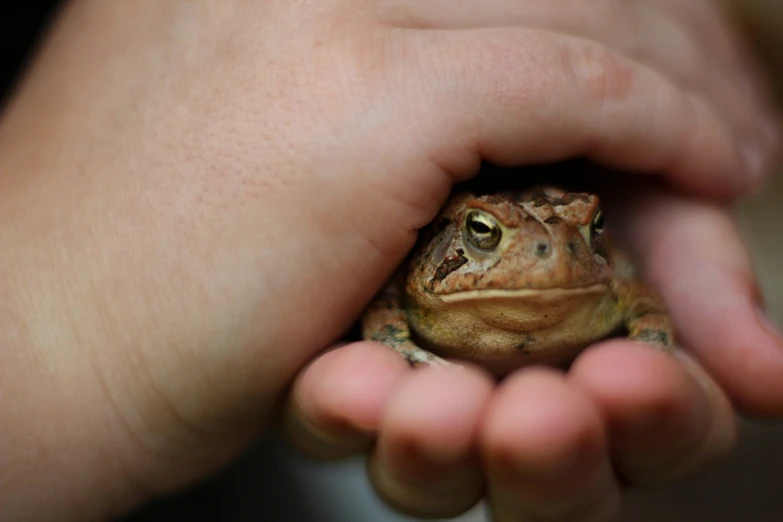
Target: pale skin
{"type": "Point", "coordinates": [196, 198]}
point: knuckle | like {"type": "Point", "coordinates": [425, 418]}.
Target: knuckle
{"type": "Point", "coordinates": [601, 75]}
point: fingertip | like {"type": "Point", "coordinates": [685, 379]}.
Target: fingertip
{"type": "Point", "coordinates": [425, 461]}
{"type": "Point", "coordinates": [439, 404]}
{"type": "Point", "coordinates": [637, 384]}
{"type": "Point", "coordinates": [544, 449]}
{"type": "Point", "coordinates": [336, 403]}
{"type": "Point", "coordinates": [355, 381]}
{"type": "Point", "coordinates": [732, 338]}
{"type": "Point", "coordinates": [665, 418]}
{"type": "Point", "coordinates": [750, 363]}
{"type": "Point", "coordinates": [540, 425]}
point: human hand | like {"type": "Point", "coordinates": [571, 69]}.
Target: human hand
{"type": "Point", "coordinates": [198, 197]}
{"type": "Point", "coordinates": [549, 445]}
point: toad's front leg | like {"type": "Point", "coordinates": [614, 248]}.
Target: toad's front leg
{"type": "Point", "coordinates": [385, 321]}
{"type": "Point", "coordinates": [645, 315]}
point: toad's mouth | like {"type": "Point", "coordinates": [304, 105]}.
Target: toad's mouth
{"type": "Point", "coordinates": [525, 293]}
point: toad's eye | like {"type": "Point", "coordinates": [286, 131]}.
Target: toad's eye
{"type": "Point", "coordinates": [482, 231]}
{"type": "Point", "coordinates": [597, 225]}
{"type": "Point", "coordinates": [594, 229]}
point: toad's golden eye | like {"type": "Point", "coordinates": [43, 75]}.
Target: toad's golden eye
{"type": "Point", "coordinates": [594, 229]}
{"type": "Point", "coordinates": [597, 225]}
{"type": "Point", "coordinates": [482, 231]}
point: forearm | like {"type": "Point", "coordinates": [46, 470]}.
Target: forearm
{"type": "Point", "coordinates": [64, 452]}
{"type": "Point", "coordinates": [140, 347]}
{"type": "Point", "coordinates": [73, 423]}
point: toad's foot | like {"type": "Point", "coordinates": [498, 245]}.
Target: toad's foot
{"type": "Point", "coordinates": [385, 322]}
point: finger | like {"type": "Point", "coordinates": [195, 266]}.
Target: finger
{"type": "Point", "coordinates": [570, 16]}
{"type": "Point", "coordinates": [644, 31]}
{"type": "Point", "coordinates": [627, 26]}
{"type": "Point", "coordinates": [640, 30]}
{"type": "Point", "coordinates": [707, 18]}
{"type": "Point", "coordinates": [544, 450]}
{"type": "Point", "coordinates": [737, 80]}
{"type": "Point", "coordinates": [695, 257]}
{"type": "Point", "coordinates": [425, 462]}
{"type": "Point", "coordinates": [523, 96]}
{"type": "Point", "coordinates": [336, 403]}
{"type": "Point", "coordinates": [666, 417]}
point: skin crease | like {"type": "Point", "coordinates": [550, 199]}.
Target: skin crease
{"type": "Point", "coordinates": [196, 198]}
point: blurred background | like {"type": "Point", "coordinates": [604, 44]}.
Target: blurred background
{"type": "Point", "coordinates": [270, 483]}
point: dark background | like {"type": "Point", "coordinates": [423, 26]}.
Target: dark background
{"type": "Point", "coordinates": [20, 29]}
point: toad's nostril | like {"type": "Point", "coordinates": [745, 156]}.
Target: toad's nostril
{"type": "Point", "coordinates": [542, 248]}
{"type": "Point", "coordinates": [572, 247]}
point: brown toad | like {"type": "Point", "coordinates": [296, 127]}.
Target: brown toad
{"type": "Point", "coordinates": [511, 279]}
